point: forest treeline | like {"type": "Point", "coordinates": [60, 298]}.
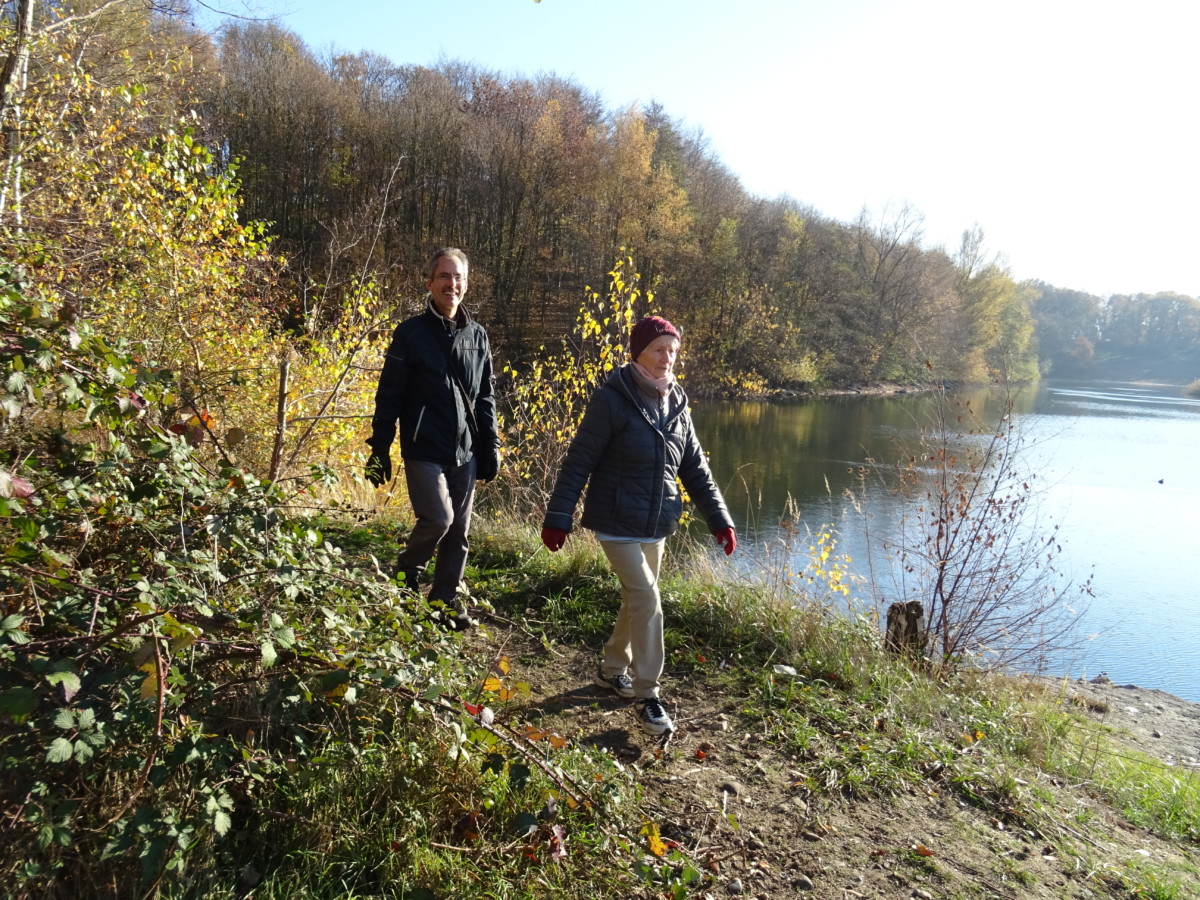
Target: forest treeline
{"type": "Point", "coordinates": [357, 166]}
{"type": "Point", "coordinates": [544, 186]}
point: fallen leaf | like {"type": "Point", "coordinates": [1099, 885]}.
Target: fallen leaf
{"type": "Point", "coordinates": [653, 841]}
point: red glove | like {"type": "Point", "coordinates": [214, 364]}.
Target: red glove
{"type": "Point", "coordinates": [727, 539]}
{"type": "Point", "coordinates": [554, 538]}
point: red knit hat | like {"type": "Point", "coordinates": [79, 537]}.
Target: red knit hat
{"type": "Point", "coordinates": [646, 330]}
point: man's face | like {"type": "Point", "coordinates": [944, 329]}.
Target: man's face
{"type": "Point", "coordinates": [448, 285]}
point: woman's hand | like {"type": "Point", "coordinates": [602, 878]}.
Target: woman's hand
{"type": "Point", "coordinates": [725, 537]}
{"type": "Point", "coordinates": [553, 538]}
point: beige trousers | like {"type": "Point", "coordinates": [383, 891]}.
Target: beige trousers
{"type": "Point", "coordinates": [637, 638]}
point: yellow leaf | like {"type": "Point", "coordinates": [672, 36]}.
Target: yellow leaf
{"type": "Point", "coordinates": [503, 665]}
{"type": "Point", "coordinates": [493, 684]}
{"type": "Point", "coordinates": [653, 841]}
{"type": "Point", "coordinates": [149, 688]}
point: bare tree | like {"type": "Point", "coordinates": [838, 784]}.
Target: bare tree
{"type": "Point", "coordinates": [978, 553]}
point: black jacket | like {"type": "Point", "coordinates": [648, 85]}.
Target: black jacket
{"type": "Point", "coordinates": [417, 389]}
{"type": "Point", "coordinates": [632, 457]}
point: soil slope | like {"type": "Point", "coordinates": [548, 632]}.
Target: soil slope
{"type": "Point", "coordinates": [927, 842]}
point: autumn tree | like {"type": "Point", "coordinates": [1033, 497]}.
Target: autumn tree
{"type": "Point", "coordinates": [1066, 322]}
{"type": "Point", "coordinates": [999, 342]}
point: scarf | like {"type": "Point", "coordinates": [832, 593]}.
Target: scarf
{"type": "Point", "coordinates": [645, 378]}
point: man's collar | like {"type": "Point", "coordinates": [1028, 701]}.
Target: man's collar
{"type": "Point", "coordinates": [460, 319]}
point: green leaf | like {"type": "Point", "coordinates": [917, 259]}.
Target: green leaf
{"type": "Point", "coordinates": [18, 703]}
{"type": "Point", "coordinates": [525, 824]}
{"type": "Point", "coordinates": [60, 751]}
{"type": "Point", "coordinates": [10, 405]}
{"type": "Point", "coordinates": [518, 775]}
{"type": "Point", "coordinates": [433, 692]}
{"type": "Point", "coordinates": [269, 656]}
{"type": "Point", "coordinates": [69, 681]}
{"type": "Point", "coordinates": [222, 822]}
{"type": "Point", "coordinates": [64, 719]}
{"type": "Point", "coordinates": [144, 491]}
{"type": "Point", "coordinates": [335, 679]}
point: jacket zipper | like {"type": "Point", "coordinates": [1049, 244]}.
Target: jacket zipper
{"type": "Point", "coordinates": [417, 430]}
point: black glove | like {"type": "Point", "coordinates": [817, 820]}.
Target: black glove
{"type": "Point", "coordinates": [487, 463]}
{"type": "Point", "coordinates": [379, 467]}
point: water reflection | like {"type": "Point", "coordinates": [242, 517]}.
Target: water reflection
{"type": "Point", "coordinates": [1115, 462]}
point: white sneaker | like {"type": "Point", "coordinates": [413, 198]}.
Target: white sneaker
{"type": "Point", "coordinates": [621, 685]}
{"type": "Point", "coordinates": [652, 717]}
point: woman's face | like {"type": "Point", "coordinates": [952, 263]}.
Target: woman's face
{"type": "Point", "coordinates": [660, 354]}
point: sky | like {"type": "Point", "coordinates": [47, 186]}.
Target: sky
{"type": "Point", "coordinates": [1066, 130]}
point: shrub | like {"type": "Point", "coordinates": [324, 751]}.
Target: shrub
{"type": "Point", "coordinates": [168, 639]}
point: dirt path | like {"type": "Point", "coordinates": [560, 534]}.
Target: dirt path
{"type": "Point", "coordinates": [729, 797]}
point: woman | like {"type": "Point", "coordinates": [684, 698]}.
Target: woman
{"type": "Point", "coordinates": [635, 438]}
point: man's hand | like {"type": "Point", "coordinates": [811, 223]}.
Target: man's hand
{"type": "Point", "coordinates": [554, 538]}
{"type": "Point", "coordinates": [379, 468]}
{"type": "Point", "coordinates": [727, 539]}
{"type": "Point", "coordinates": [487, 464]}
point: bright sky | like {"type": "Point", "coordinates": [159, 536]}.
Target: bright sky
{"type": "Point", "coordinates": [1066, 129]}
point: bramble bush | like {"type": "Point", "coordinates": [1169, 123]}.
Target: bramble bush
{"type": "Point", "coordinates": [173, 649]}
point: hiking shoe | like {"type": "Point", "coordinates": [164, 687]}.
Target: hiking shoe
{"type": "Point", "coordinates": [456, 619]}
{"type": "Point", "coordinates": [409, 579]}
{"type": "Point", "coordinates": [652, 717]}
{"type": "Point", "coordinates": [621, 685]}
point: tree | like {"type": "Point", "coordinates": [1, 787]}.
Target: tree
{"type": "Point", "coordinates": [889, 264]}
{"type": "Point", "coordinates": [1000, 327]}
{"type": "Point", "coordinates": [1065, 320]}
{"type": "Point", "coordinates": [978, 554]}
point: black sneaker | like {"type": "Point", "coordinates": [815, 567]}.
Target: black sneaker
{"type": "Point", "coordinates": [409, 579]}
{"type": "Point", "coordinates": [652, 717]}
{"type": "Point", "coordinates": [456, 619]}
{"type": "Point", "coordinates": [621, 685]}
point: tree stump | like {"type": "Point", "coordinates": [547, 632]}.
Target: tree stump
{"type": "Point", "coordinates": [906, 629]}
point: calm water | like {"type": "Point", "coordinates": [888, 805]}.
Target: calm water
{"type": "Point", "coordinates": [1117, 462]}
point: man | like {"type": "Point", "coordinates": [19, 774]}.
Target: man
{"type": "Point", "coordinates": [437, 382]}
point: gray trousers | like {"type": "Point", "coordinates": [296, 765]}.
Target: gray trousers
{"type": "Point", "coordinates": [441, 497]}
{"type": "Point", "coordinates": [637, 638]}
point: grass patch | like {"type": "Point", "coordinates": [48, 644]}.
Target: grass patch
{"type": "Point", "coordinates": [1153, 795]}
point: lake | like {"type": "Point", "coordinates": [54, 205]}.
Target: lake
{"type": "Point", "coordinates": [1117, 471]}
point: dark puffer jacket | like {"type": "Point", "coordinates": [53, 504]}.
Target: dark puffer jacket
{"type": "Point", "coordinates": [632, 462]}
{"type": "Point", "coordinates": [417, 389]}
